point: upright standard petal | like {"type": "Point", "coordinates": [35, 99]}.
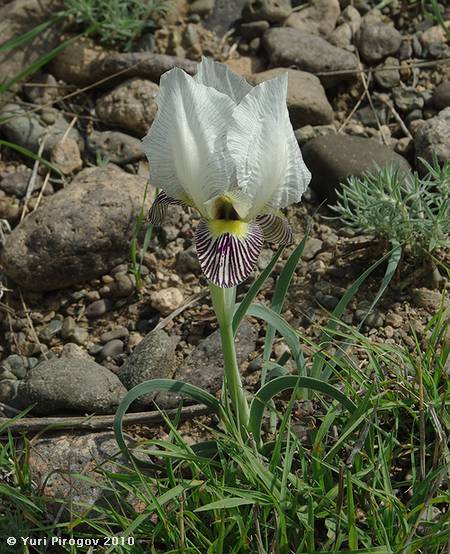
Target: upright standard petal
{"type": "Point", "coordinates": [227, 251]}
{"type": "Point", "coordinates": [269, 165]}
{"type": "Point", "coordinates": [186, 145]}
{"type": "Point", "coordinates": [219, 76]}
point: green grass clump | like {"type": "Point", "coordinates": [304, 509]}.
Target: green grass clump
{"type": "Point", "coordinates": [412, 211]}
{"type": "Point", "coordinates": [117, 22]}
{"type": "Point", "coordinates": [370, 480]}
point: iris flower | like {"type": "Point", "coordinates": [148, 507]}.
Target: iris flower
{"type": "Point", "coordinates": [228, 150]}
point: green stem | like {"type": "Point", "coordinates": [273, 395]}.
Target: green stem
{"type": "Point", "coordinates": [223, 301]}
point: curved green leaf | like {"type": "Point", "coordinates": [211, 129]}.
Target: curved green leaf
{"type": "Point", "coordinates": [274, 387]}
{"type": "Point", "coordinates": [158, 385]}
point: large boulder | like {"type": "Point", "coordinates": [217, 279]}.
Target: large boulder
{"type": "Point", "coordinates": [204, 366]}
{"type": "Point", "coordinates": [131, 106]}
{"type": "Point", "coordinates": [433, 140]}
{"type": "Point", "coordinates": [333, 158]}
{"type": "Point", "coordinates": [153, 358]}
{"type": "Point", "coordinates": [288, 47]}
{"type": "Point", "coordinates": [78, 234]}
{"type": "Point", "coordinates": [70, 385]}
{"type": "Point", "coordinates": [225, 14]}
{"type": "Point", "coordinates": [306, 99]}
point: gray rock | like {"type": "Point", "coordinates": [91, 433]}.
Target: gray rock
{"type": "Point", "coordinates": [56, 461]}
{"type": "Point", "coordinates": [224, 15]}
{"type": "Point", "coordinates": [50, 330]}
{"type": "Point", "coordinates": [202, 7]}
{"type": "Point", "coordinates": [318, 18]}
{"type": "Point", "coordinates": [145, 65]}
{"type": "Point", "coordinates": [204, 366]}
{"type": "Point", "coordinates": [6, 375]}
{"type": "Point", "coordinates": [441, 96]}
{"type": "Point", "coordinates": [77, 63]}
{"type": "Point", "coordinates": [80, 335]}
{"type": "Point", "coordinates": [308, 132]}
{"type": "Point", "coordinates": [123, 285]}
{"type": "Point", "coordinates": [312, 247]}
{"type": "Point", "coordinates": [429, 299]}
{"type": "Point", "coordinates": [433, 137]}
{"type": "Point", "coordinates": [153, 358]}
{"type": "Point", "coordinates": [306, 98]}
{"type": "Point", "coordinates": [413, 115]}
{"type": "Point", "coordinates": [333, 158]}
{"type": "Point", "coordinates": [18, 17]}
{"type": "Point", "coordinates": [131, 105]}
{"type": "Point", "coordinates": [116, 333]}
{"type": "Point", "coordinates": [28, 128]}
{"type": "Point", "coordinates": [80, 233]}
{"type": "Point", "coordinates": [376, 40]}
{"type": "Point", "coordinates": [351, 16]}
{"type": "Point", "coordinates": [70, 386]}
{"type": "Point", "coordinates": [68, 327]}
{"type": "Point", "coordinates": [19, 365]}
{"type": "Point", "coordinates": [72, 350]}
{"type": "Point", "coordinates": [9, 390]}
{"type": "Point", "coordinates": [289, 47]}
{"type": "Point", "coordinates": [408, 99]}
{"type": "Point", "coordinates": [275, 11]}
{"type": "Point", "coordinates": [98, 308]}
{"type": "Point", "coordinates": [114, 146]}
{"type": "Point", "coordinates": [47, 93]}
{"type": "Point", "coordinates": [342, 37]}
{"type": "Point", "coordinates": [253, 29]}
{"type": "Point", "coordinates": [388, 74]}
{"type": "Point", "coordinates": [112, 349]}
{"type": "Point", "coordinates": [66, 156]}
{"type": "Point", "coordinates": [187, 261]}
{"type": "Point", "coordinates": [17, 183]}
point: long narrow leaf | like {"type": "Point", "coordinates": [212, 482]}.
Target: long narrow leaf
{"type": "Point", "coordinates": [279, 324]}
{"type": "Point", "coordinates": [279, 296]}
{"type": "Point", "coordinates": [29, 154]}
{"type": "Point", "coordinates": [253, 291]}
{"type": "Point", "coordinates": [26, 37]}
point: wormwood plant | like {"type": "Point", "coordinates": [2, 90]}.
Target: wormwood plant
{"type": "Point", "coordinates": [410, 211]}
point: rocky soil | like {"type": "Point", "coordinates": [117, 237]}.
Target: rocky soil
{"type": "Point", "coordinates": [365, 87]}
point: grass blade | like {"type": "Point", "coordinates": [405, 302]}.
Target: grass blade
{"type": "Point", "coordinates": [283, 282]}
{"type": "Point", "coordinates": [29, 154]}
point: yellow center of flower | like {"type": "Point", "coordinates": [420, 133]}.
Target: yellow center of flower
{"type": "Point", "coordinates": [225, 219]}
{"type": "Point", "coordinates": [237, 228]}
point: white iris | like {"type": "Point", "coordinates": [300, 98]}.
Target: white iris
{"type": "Point", "coordinates": [227, 149]}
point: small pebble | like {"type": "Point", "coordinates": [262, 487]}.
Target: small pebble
{"type": "Point", "coordinates": [166, 300]}
{"type": "Point", "coordinates": [112, 349]}
{"type": "Point", "coordinates": [98, 308]}
{"type": "Point", "coordinates": [116, 333]}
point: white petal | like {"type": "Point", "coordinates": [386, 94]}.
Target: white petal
{"type": "Point", "coordinates": [219, 76]}
{"type": "Point", "coordinates": [269, 164]}
{"type": "Point", "coordinates": [186, 145]}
